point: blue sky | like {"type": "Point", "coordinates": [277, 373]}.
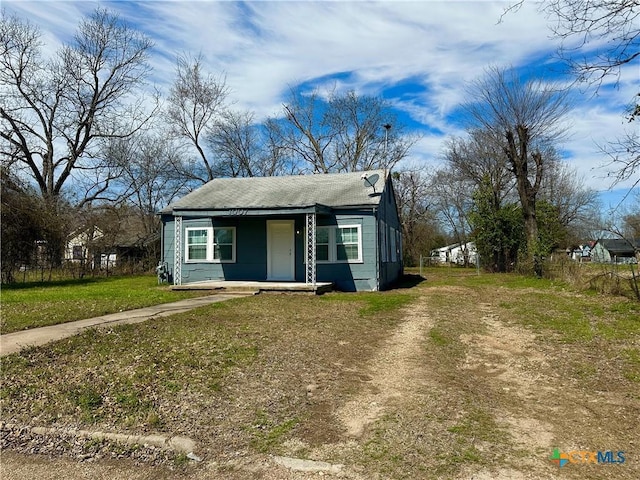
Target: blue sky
{"type": "Point", "coordinates": [417, 55]}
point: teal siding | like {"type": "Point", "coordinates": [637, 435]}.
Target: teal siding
{"type": "Point", "coordinates": [352, 276]}
{"type": "Point", "coordinates": [251, 247]}
{"type": "Point", "coordinates": [390, 270]}
{"type": "Point", "coordinates": [251, 252]}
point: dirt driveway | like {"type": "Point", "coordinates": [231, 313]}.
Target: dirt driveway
{"type": "Point", "coordinates": [460, 388]}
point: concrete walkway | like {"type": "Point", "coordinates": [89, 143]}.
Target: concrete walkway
{"type": "Point", "coordinates": [14, 342]}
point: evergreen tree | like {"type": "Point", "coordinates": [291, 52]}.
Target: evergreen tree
{"type": "Point", "coordinates": [498, 229]}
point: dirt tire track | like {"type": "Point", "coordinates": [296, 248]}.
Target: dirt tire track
{"type": "Point", "coordinates": [395, 371]}
{"type": "Point", "coordinates": [503, 369]}
{"type": "Point", "coordinates": [508, 354]}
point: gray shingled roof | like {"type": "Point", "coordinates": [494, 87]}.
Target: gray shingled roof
{"type": "Point", "coordinates": [620, 245]}
{"type": "Point", "coordinates": [331, 190]}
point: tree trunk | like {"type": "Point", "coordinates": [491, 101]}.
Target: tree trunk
{"type": "Point", "coordinates": [518, 156]}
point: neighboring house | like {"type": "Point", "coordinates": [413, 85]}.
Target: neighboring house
{"type": "Point", "coordinates": [616, 250]}
{"type": "Point", "coordinates": [440, 255]}
{"type": "Point", "coordinates": [123, 242]}
{"type": "Point", "coordinates": [582, 253]}
{"type": "Point", "coordinates": [455, 253]}
{"type": "Point", "coordinates": [131, 246]}
{"type": "Point", "coordinates": [80, 242]}
{"type": "Point", "coordinates": [468, 250]}
{"type": "Point", "coordinates": [305, 228]}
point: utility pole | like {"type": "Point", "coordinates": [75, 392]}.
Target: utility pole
{"type": "Point", "coordinates": [387, 127]}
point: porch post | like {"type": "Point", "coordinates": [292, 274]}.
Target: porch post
{"type": "Point", "coordinates": [177, 256]}
{"type": "Point", "coordinates": [311, 250]}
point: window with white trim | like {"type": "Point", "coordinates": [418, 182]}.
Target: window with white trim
{"type": "Point", "coordinates": [197, 244]}
{"type": "Point", "coordinates": [342, 244]}
{"type": "Point", "coordinates": [210, 244]}
{"type": "Point", "coordinates": [348, 244]}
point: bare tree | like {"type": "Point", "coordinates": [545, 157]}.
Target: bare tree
{"type": "Point", "coordinates": [622, 222]}
{"type": "Point", "coordinates": [305, 132]}
{"type": "Point", "coordinates": [624, 157]}
{"type": "Point", "coordinates": [420, 231]}
{"type": "Point", "coordinates": [235, 146]}
{"type": "Point", "coordinates": [148, 178]}
{"type": "Point", "coordinates": [452, 195]}
{"type": "Point", "coordinates": [598, 39]}
{"type": "Point", "coordinates": [196, 103]}
{"type": "Point", "coordinates": [632, 225]}
{"type": "Point", "coordinates": [564, 188]}
{"type": "Point", "coordinates": [480, 158]}
{"type": "Point", "coordinates": [608, 39]}
{"type": "Point", "coordinates": [55, 113]}
{"type": "Point", "coordinates": [244, 148]}
{"type": "Point", "coordinates": [528, 116]}
{"type": "Point", "coordinates": [276, 158]}
{"type": "Point", "coordinates": [613, 23]}
{"type": "Point", "coordinates": [367, 134]}
{"type": "Point", "coordinates": [340, 133]}
{"type": "Point", "coordinates": [631, 219]}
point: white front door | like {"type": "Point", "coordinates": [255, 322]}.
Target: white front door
{"type": "Point", "coordinates": [280, 250]}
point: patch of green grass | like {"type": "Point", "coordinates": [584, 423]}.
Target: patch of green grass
{"type": "Point", "coordinates": [511, 280]}
{"type": "Point", "coordinates": [625, 308]}
{"type": "Point", "coordinates": [632, 358]}
{"type": "Point", "coordinates": [584, 371]}
{"type": "Point", "coordinates": [475, 426]}
{"type": "Point", "coordinates": [439, 338]}
{"type": "Point", "coordinates": [392, 447]}
{"type": "Point", "coordinates": [380, 303]}
{"type": "Point", "coordinates": [478, 424]}
{"type": "Point", "coordinates": [269, 434]}
{"type": "Point", "coordinates": [619, 321]}
{"type": "Point", "coordinates": [572, 326]}
{"type": "Point", "coordinates": [414, 443]}
{"type": "Point", "coordinates": [458, 457]}
{"type": "Point", "coordinates": [34, 305]}
{"type": "Point", "coordinates": [575, 321]}
{"type": "Point", "coordinates": [573, 318]}
{"type": "Point", "coordinates": [88, 399]}
{"type": "Point", "coordinates": [469, 278]}
{"type": "Point", "coordinates": [376, 448]}
{"type": "Point", "coordinates": [546, 311]}
{"type": "Point", "coordinates": [619, 327]}
{"type": "Point", "coordinates": [373, 303]}
{"type": "Point", "coordinates": [115, 374]}
{"type": "Point", "coordinates": [447, 343]}
{"type": "Point", "coordinates": [181, 460]}
{"type": "Point", "coordinates": [444, 339]}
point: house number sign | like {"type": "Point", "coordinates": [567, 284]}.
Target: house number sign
{"type": "Point", "coordinates": [238, 212]}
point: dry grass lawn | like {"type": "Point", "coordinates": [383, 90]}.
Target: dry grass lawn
{"type": "Point", "coordinates": [458, 377]}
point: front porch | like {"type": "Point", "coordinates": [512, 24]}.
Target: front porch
{"type": "Point", "coordinates": [230, 286]}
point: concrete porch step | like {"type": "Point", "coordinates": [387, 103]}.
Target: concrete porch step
{"type": "Point", "coordinates": [252, 287]}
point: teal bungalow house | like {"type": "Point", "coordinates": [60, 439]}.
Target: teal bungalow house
{"type": "Point", "coordinates": [340, 228]}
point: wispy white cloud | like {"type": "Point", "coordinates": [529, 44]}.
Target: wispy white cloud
{"type": "Point", "coordinates": [436, 47]}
